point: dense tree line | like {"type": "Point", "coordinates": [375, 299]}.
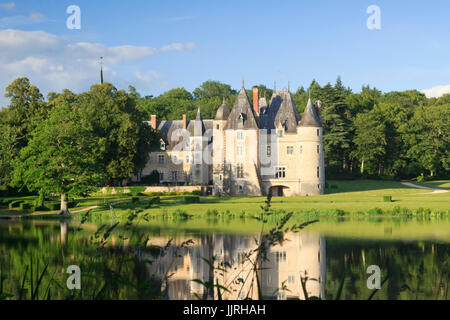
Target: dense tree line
{"type": "Point", "coordinates": [395, 134]}
{"type": "Point", "coordinates": [71, 143]}
{"type": "Point", "coordinates": [68, 143]}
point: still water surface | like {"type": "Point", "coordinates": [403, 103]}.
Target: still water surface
{"type": "Point", "coordinates": [173, 260]}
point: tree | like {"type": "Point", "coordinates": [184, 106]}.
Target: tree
{"type": "Point", "coordinates": [210, 89]}
{"type": "Point", "coordinates": [26, 110]}
{"type": "Point", "coordinates": [336, 120]}
{"type": "Point", "coordinates": [370, 140]}
{"type": "Point", "coordinates": [62, 156]}
{"type": "Point", "coordinates": [428, 138]}
{"type": "Point", "coordinates": [124, 138]}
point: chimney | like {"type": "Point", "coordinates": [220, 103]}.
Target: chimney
{"type": "Point", "coordinates": [318, 107]}
{"type": "Point", "coordinates": [184, 122]}
{"type": "Point", "coordinates": [153, 122]}
{"type": "Point", "coordinates": [256, 100]}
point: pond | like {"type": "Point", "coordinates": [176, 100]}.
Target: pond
{"type": "Point", "coordinates": [226, 259]}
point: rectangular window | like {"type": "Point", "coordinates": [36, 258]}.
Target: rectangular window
{"type": "Point", "coordinates": [241, 188]}
{"type": "Point", "coordinates": [174, 175]}
{"type": "Point", "coordinates": [161, 158]}
{"type": "Point", "coordinates": [318, 132]}
{"type": "Point", "coordinates": [279, 133]}
{"type": "Point", "coordinates": [301, 149]}
{"type": "Point", "coordinates": [240, 150]}
{"type": "Point", "coordinates": [318, 149]}
{"type": "Point", "coordinates": [161, 176]}
{"type": "Point", "coordinates": [269, 150]}
{"type": "Point", "coordinates": [240, 170]}
{"type": "Point", "coordinates": [280, 173]}
{"type": "Point", "coordinates": [318, 172]}
{"type": "Point", "coordinates": [240, 135]}
{"type": "Point", "coordinates": [187, 159]}
{"type": "Point", "coordinates": [290, 150]}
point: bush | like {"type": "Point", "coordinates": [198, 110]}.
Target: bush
{"type": "Point", "coordinates": [25, 206]}
{"type": "Point", "coordinates": [71, 204]}
{"type": "Point", "coordinates": [6, 202]}
{"type": "Point", "coordinates": [53, 206]}
{"type": "Point", "coordinates": [155, 200]}
{"type": "Point", "coordinates": [375, 212]}
{"type": "Point", "coordinates": [212, 213]}
{"type": "Point", "coordinates": [179, 214]}
{"type": "Point", "coordinates": [387, 198]}
{"type": "Point", "coordinates": [15, 204]}
{"type": "Point", "coordinates": [134, 199]}
{"type": "Point", "coordinates": [197, 193]}
{"type": "Point", "coordinates": [191, 199]}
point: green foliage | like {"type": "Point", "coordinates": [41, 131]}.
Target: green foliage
{"type": "Point", "coordinates": [191, 199]}
{"type": "Point", "coordinates": [387, 198]}
{"type": "Point", "coordinates": [122, 137]}
{"type": "Point", "coordinates": [15, 204]}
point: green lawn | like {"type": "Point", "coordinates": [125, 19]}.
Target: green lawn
{"type": "Point", "coordinates": [350, 196]}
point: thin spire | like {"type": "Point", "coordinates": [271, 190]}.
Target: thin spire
{"type": "Point", "coordinates": [289, 86]}
{"type": "Point", "coordinates": [223, 100]}
{"type": "Point", "coordinates": [243, 82]}
{"type": "Point", "coordinates": [275, 86]}
{"type": "Point", "coordinates": [101, 70]}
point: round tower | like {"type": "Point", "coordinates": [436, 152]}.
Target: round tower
{"type": "Point", "coordinates": [312, 161]}
{"type": "Point", "coordinates": [219, 148]}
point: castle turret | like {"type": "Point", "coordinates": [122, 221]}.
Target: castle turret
{"type": "Point", "coordinates": [310, 137]}
{"type": "Point", "coordinates": [219, 149]}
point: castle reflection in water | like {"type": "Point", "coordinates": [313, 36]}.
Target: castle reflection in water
{"type": "Point", "coordinates": [301, 255]}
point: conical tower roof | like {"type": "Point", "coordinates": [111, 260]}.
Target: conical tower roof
{"type": "Point", "coordinates": [309, 117]}
{"type": "Point", "coordinates": [223, 112]}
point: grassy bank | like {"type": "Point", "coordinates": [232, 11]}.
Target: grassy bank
{"type": "Point", "coordinates": [362, 197]}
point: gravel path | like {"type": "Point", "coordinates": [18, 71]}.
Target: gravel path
{"type": "Point", "coordinates": [412, 185]}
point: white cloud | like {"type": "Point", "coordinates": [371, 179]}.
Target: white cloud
{"type": "Point", "coordinates": [7, 6]}
{"type": "Point", "coordinates": [21, 20]}
{"type": "Point", "coordinates": [178, 47]}
{"type": "Point", "coordinates": [437, 91]}
{"type": "Point", "coordinates": [53, 64]}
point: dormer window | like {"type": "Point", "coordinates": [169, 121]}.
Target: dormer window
{"type": "Point", "coordinates": [163, 145]}
{"type": "Point", "coordinates": [241, 120]}
{"type": "Point", "coordinates": [240, 135]}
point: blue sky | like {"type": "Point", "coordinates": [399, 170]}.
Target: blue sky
{"type": "Point", "coordinates": [158, 45]}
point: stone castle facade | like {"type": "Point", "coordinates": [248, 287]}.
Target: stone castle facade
{"type": "Point", "coordinates": [251, 149]}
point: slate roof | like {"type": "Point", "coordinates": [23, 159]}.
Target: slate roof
{"type": "Point", "coordinates": [281, 112]}
{"type": "Point", "coordinates": [242, 115]}
{"type": "Point", "coordinates": [310, 117]}
{"type": "Point", "coordinates": [168, 127]}
{"type": "Point", "coordinates": [223, 112]}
